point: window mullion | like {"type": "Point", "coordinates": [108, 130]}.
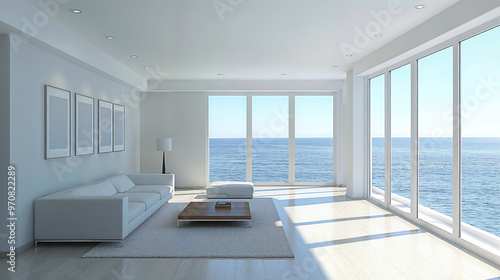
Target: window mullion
{"type": "Point", "coordinates": [387, 132]}
{"type": "Point", "coordinates": [291, 139]}
{"type": "Point", "coordinates": [457, 197]}
{"type": "Point", "coordinates": [414, 140]}
{"type": "Point", "coordinates": [249, 138]}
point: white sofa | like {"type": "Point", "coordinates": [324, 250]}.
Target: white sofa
{"type": "Point", "coordinates": [107, 210]}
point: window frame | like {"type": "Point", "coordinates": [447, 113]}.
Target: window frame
{"type": "Point", "coordinates": [336, 95]}
{"type": "Point", "coordinates": [455, 235]}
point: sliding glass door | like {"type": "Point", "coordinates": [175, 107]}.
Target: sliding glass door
{"type": "Point", "coordinates": [435, 138]}
{"type": "Point", "coordinates": [270, 138]}
{"type": "Point", "coordinates": [401, 137]}
{"type": "Point", "coordinates": [314, 139]}
{"type": "Point", "coordinates": [227, 138]}
{"type": "Point", "coordinates": [480, 137]}
{"type": "Point", "coordinates": [377, 129]}
{"type": "Point", "coordinates": [444, 129]}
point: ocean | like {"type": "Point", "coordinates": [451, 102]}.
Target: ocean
{"type": "Point", "coordinates": [313, 160]}
{"type": "Point", "coordinates": [480, 176]}
{"type": "Point", "coordinates": [314, 163]}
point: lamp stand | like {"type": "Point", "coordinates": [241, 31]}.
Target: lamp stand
{"type": "Point", "coordinates": [163, 164]}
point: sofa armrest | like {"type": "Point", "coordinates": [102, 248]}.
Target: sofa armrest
{"type": "Point", "coordinates": [153, 179]}
{"type": "Point", "coordinates": [80, 218]}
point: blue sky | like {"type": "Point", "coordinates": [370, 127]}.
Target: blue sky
{"type": "Point", "coordinates": [481, 85]}
{"type": "Point", "coordinates": [313, 116]}
{"type": "Point", "coordinates": [270, 116]}
{"type": "Point", "coordinates": [227, 116]}
{"type": "Point", "coordinates": [480, 92]}
{"type": "Point", "coordinates": [401, 98]}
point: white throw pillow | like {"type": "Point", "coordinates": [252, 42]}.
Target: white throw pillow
{"type": "Point", "coordinates": [104, 188]}
{"type": "Point", "coordinates": [122, 183]}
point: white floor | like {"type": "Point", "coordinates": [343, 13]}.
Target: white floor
{"type": "Point", "coordinates": [332, 238]}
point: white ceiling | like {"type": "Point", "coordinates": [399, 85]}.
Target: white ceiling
{"type": "Point", "coordinates": [252, 39]}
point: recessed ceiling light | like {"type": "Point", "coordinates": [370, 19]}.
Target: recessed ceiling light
{"type": "Point", "coordinates": [76, 11]}
{"type": "Point", "coordinates": [220, 74]}
{"type": "Point", "coordinates": [418, 7]}
{"type": "Point", "coordinates": [110, 37]}
{"type": "Point", "coordinates": [378, 35]}
{"type": "Point", "coordinates": [133, 56]}
{"type": "Point", "coordinates": [147, 67]}
{"type": "Point", "coordinates": [283, 74]}
{"type": "Point", "coordinates": [335, 66]}
{"type": "Point", "coordinates": [348, 55]}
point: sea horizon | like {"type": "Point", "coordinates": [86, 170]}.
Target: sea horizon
{"type": "Point", "coordinates": [315, 163]}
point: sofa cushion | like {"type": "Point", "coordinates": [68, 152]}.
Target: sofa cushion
{"type": "Point", "coordinates": [149, 199]}
{"type": "Point", "coordinates": [104, 188]}
{"type": "Point", "coordinates": [135, 209]}
{"type": "Point", "coordinates": [162, 190]}
{"type": "Point", "coordinates": [122, 183]}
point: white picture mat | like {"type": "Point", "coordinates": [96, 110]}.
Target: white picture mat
{"type": "Point", "coordinates": [105, 126]}
{"type": "Point", "coordinates": [118, 127]}
{"type": "Point", "coordinates": [57, 123]}
{"type": "Point", "coordinates": [84, 127]}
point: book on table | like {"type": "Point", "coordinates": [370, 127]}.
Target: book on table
{"type": "Point", "coordinates": [223, 204]}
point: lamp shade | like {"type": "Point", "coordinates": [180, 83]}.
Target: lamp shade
{"type": "Point", "coordinates": [164, 144]}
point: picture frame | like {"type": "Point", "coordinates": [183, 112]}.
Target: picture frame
{"type": "Point", "coordinates": [84, 125]}
{"type": "Point", "coordinates": [118, 128]}
{"type": "Point", "coordinates": [105, 135]}
{"type": "Point", "coordinates": [57, 122]}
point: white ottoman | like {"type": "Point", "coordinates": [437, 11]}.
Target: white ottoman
{"type": "Point", "coordinates": [230, 190]}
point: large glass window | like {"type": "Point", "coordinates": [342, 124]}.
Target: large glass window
{"type": "Point", "coordinates": [377, 128]}
{"type": "Point", "coordinates": [270, 138]}
{"type": "Point", "coordinates": [480, 107]}
{"type": "Point", "coordinates": [227, 138]}
{"type": "Point", "coordinates": [401, 137]}
{"type": "Point", "coordinates": [268, 161]}
{"type": "Point", "coordinates": [314, 139]}
{"type": "Point", "coordinates": [457, 163]}
{"type": "Point", "coordinates": [435, 138]}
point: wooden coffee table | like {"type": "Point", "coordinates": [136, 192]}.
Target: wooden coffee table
{"type": "Point", "coordinates": [206, 212]}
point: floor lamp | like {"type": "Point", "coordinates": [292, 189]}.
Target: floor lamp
{"type": "Point", "coordinates": [163, 145]}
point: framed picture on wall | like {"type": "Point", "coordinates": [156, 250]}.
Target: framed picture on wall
{"type": "Point", "coordinates": [84, 125]}
{"type": "Point", "coordinates": [105, 126]}
{"type": "Point", "coordinates": [118, 127]}
{"type": "Point", "coordinates": [57, 122]}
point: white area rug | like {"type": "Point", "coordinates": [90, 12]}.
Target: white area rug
{"type": "Point", "coordinates": [159, 237]}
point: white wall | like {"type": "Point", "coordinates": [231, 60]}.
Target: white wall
{"type": "Point", "coordinates": [348, 128]}
{"type": "Point", "coordinates": [184, 118]}
{"type": "Point", "coordinates": [4, 135]}
{"type": "Point", "coordinates": [31, 69]}
{"type": "Point", "coordinates": [339, 138]}
{"type": "Point", "coordinates": [38, 20]}
{"type": "Point", "coordinates": [359, 155]}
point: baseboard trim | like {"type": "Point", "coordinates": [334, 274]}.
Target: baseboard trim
{"type": "Point", "coordinates": [354, 198]}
